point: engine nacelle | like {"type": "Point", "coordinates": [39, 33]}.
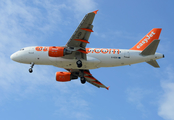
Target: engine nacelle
{"type": "Point", "coordinates": [63, 76]}
{"type": "Point", "coordinates": [56, 51]}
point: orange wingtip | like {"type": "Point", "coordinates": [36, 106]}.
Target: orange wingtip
{"type": "Point", "coordinates": [108, 87]}
{"type": "Point", "coordinates": [95, 11]}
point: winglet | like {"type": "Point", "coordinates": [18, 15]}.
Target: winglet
{"type": "Point", "coordinates": [95, 11]}
{"type": "Point", "coordinates": [108, 87]}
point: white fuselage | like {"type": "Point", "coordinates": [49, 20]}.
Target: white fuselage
{"type": "Point", "coordinates": [96, 58]}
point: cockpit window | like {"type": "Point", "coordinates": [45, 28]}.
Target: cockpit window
{"type": "Point", "coordinates": [22, 49]}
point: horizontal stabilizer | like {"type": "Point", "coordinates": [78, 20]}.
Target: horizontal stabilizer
{"type": "Point", "coordinates": [153, 63]}
{"type": "Point", "coordinates": [151, 49]}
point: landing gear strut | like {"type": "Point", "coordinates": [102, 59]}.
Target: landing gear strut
{"type": "Point", "coordinates": [31, 69]}
{"type": "Point", "coordinates": [79, 63]}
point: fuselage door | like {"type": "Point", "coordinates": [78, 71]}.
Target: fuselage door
{"type": "Point", "coordinates": [126, 54]}
{"type": "Point", "coordinates": [31, 50]}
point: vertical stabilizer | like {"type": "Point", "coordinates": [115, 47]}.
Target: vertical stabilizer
{"type": "Point", "coordinates": [147, 39]}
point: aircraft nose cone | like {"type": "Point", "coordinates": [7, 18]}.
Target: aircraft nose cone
{"type": "Point", "coordinates": [14, 57]}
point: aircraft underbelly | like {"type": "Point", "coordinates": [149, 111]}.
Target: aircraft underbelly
{"type": "Point", "coordinates": [90, 63]}
{"type": "Point", "coordinates": [96, 61]}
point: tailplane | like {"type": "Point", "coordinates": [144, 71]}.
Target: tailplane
{"type": "Point", "coordinates": [154, 63]}
{"type": "Point", "coordinates": [148, 39]}
{"type": "Point", "coordinates": [150, 50]}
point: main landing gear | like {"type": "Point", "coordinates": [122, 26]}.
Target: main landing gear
{"type": "Point", "coordinates": [82, 78]}
{"type": "Point", "coordinates": [31, 69]}
{"type": "Point", "coordinates": [79, 63]}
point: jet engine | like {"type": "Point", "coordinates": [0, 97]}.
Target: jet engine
{"type": "Point", "coordinates": [65, 76]}
{"type": "Point", "coordinates": [58, 51]}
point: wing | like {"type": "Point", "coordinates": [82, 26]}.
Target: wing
{"type": "Point", "coordinates": [83, 31]}
{"type": "Point", "coordinates": [88, 76]}
{"type": "Point", "coordinates": [77, 42]}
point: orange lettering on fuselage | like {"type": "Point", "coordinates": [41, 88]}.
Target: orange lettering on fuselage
{"type": "Point", "coordinates": [45, 49]}
{"type": "Point", "coordinates": [103, 50]}
{"type": "Point", "coordinates": [97, 50]}
{"type": "Point", "coordinates": [39, 48]}
{"type": "Point", "coordinates": [88, 50]}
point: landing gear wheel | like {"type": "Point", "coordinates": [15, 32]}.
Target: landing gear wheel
{"type": "Point", "coordinates": [79, 63]}
{"type": "Point", "coordinates": [30, 70]}
{"type": "Point", "coordinates": [83, 80]}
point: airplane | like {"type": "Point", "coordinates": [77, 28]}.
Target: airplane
{"type": "Point", "coordinates": [78, 60]}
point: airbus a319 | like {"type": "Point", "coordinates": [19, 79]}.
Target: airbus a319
{"type": "Point", "coordinates": [78, 60]}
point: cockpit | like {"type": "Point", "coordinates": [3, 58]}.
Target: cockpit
{"type": "Point", "coordinates": [21, 49]}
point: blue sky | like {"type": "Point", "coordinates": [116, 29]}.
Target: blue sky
{"type": "Point", "coordinates": [137, 92]}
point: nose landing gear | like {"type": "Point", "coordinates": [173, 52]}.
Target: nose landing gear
{"type": "Point", "coordinates": [31, 69]}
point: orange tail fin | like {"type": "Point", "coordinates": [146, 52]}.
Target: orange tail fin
{"type": "Point", "coordinates": [146, 40]}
